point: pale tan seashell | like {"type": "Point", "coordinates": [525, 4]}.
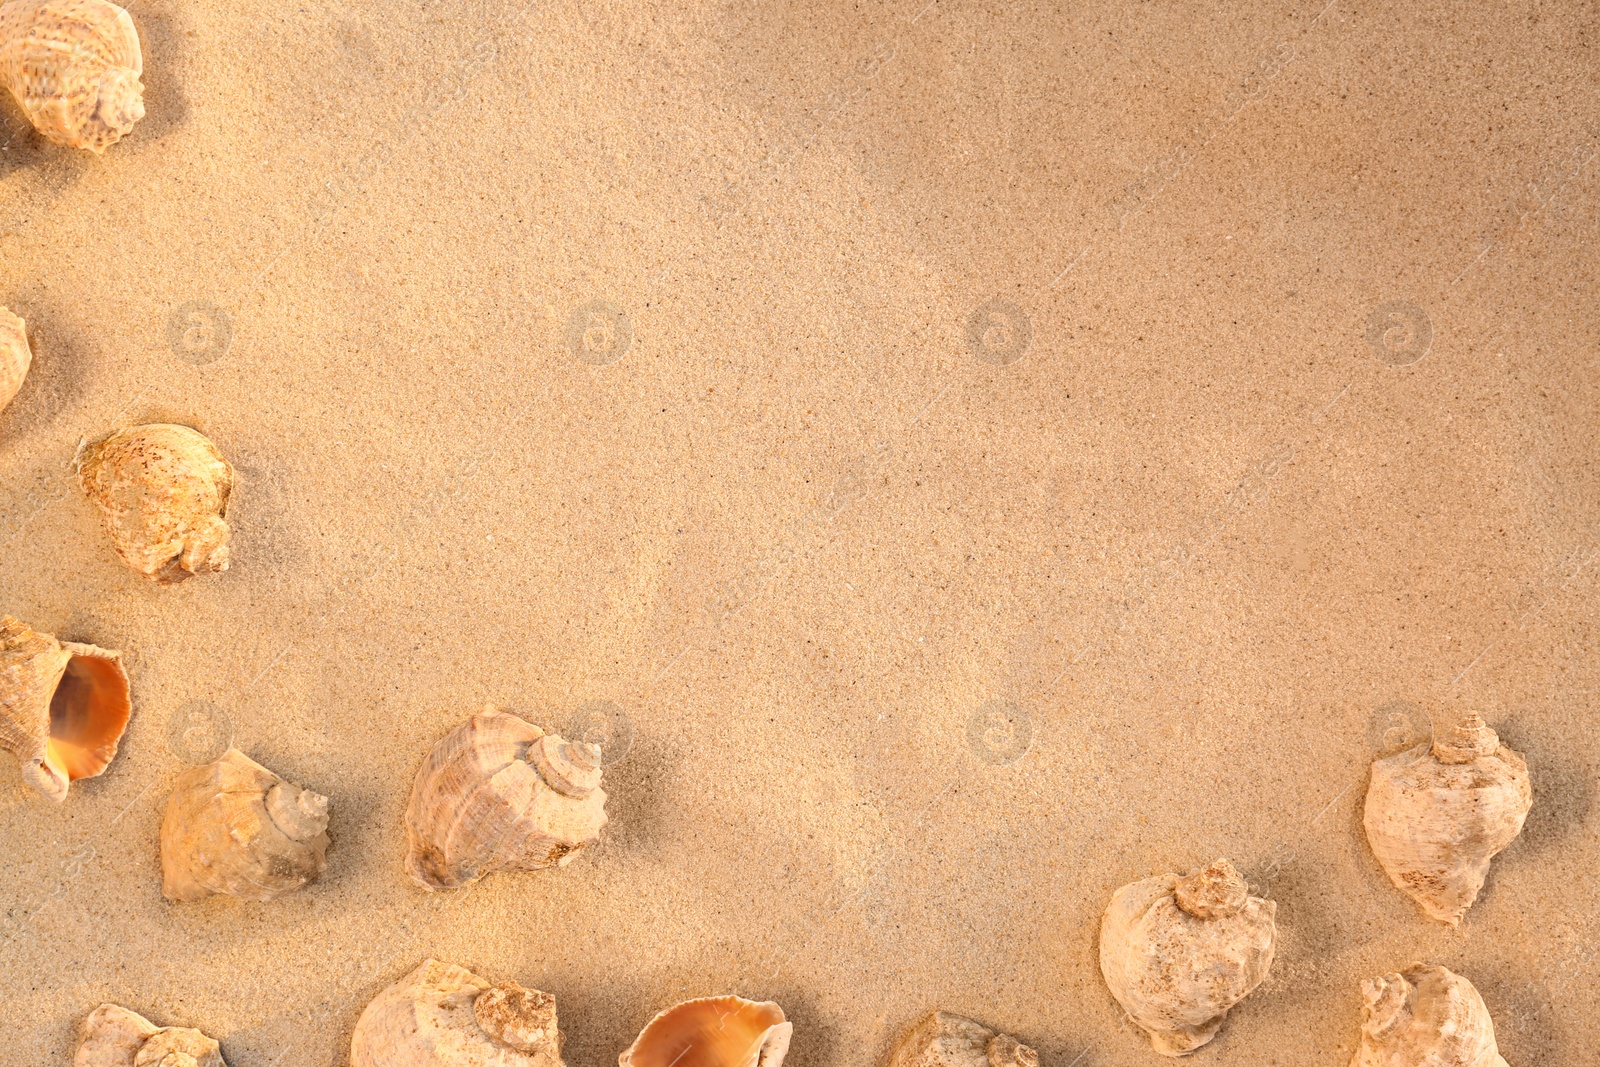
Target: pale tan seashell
{"type": "Point", "coordinates": [1425, 1016]}
{"type": "Point", "coordinates": [945, 1040]}
{"type": "Point", "coordinates": [713, 1032]}
{"type": "Point", "coordinates": [498, 794]}
{"type": "Point", "coordinates": [63, 706]}
{"type": "Point", "coordinates": [1177, 953]}
{"type": "Point", "coordinates": [234, 827]}
{"type": "Point", "coordinates": [442, 1015]}
{"type": "Point", "coordinates": [163, 491]}
{"type": "Point", "coordinates": [1437, 814]}
{"type": "Point", "coordinates": [15, 356]}
{"type": "Point", "coordinates": [113, 1036]}
{"type": "Point", "coordinates": [74, 66]}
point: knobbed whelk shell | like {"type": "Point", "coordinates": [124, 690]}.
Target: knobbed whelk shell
{"type": "Point", "coordinates": [1425, 1016]}
{"type": "Point", "coordinates": [713, 1032]}
{"type": "Point", "coordinates": [234, 827]}
{"type": "Point", "coordinates": [113, 1036]}
{"type": "Point", "coordinates": [1179, 952]}
{"type": "Point", "coordinates": [63, 706]}
{"type": "Point", "coordinates": [163, 491]}
{"type": "Point", "coordinates": [15, 356]}
{"type": "Point", "coordinates": [1437, 814]}
{"type": "Point", "coordinates": [498, 794]}
{"type": "Point", "coordinates": [74, 66]}
{"type": "Point", "coordinates": [442, 1015]}
{"type": "Point", "coordinates": [945, 1040]}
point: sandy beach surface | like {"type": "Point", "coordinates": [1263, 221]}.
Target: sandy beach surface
{"type": "Point", "coordinates": [975, 454]}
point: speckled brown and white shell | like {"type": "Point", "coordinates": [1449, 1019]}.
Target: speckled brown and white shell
{"type": "Point", "coordinates": [946, 1040]}
{"type": "Point", "coordinates": [74, 66]}
{"type": "Point", "coordinates": [113, 1036]}
{"type": "Point", "coordinates": [1425, 1016]}
{"type": "Point", "coordinates": [726, 1031]}
{"type": "Point", "coordinates": [15, 356]}
{"type": "Point", "coordinates": [442, 1015]}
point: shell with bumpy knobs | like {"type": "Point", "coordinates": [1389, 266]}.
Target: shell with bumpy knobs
{"type": "Point", "coordinates": [442, 1015]}
{"type": "Point", "coordinates": [113, 1036]}
{"type": "Point", "coordinates": [74, 66]}
{"type": "Point", "coordinates": [946, 1040]}
{"type": "Point", "coordinates": [15, 356]}
{"type": "Point", "coordinates": [1425, 1016]}
{"type": "Point", "coordinates": [713, 1032]}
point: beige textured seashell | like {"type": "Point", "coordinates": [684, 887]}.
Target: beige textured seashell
{"type": "Point", "coordinates": [1177, 953]}
{"type": "Point", "coordinates": [113, 1036]}
{"type": "Point", "coordinates": [163, 491]}
{"type": "Point", "coordinates": [1437, 814]}
{"type": "Point", "coordinates": [74, 66]}
{"type": "Point", "coordinates": [1425, 1016]}
{"type": "Point", "coordinates": [713, 1032]}
{"type": "Point", "coordinates": [63, 706]}
{"type": "Point", "coordinates": [498, 794]}
{"type": "Point", "coordinates": [441, 1015]}
{"type": "Point", "coordinates": [945, 1040]}
{"type": "Point", "coordinates": [15, 356]}
{"type": "Point", "coordinates": [234, 827]}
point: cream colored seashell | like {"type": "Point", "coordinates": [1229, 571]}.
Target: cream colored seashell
{"type": "Point", "coordinates": [945, 1040]}
{"type": "Point", "coordinates": [74, 66]}
{"type": "Point", "coordinates": [163, 491]}
{"type": "Point", "coordinates": [1437, 814]}
{"type": "Point", "coordinates": [63, 706]}
{"type": "Point", "coordinates": [15, 356]}
{"type": "Point", "coordinates": [113, 1036]}
{"type": "Point", "coordinates": [442, 1015]}
{"type": "Point", "coordinates": [234, 827]}
{"type": "Point", "coordinates": [498, 794]}
{"type": "Point", "coordinates": [1177, 953]}
{"type": "Point", "coordinates": [1425, 1016]}
{"type": "Point", "coordinates": [713, 1032]}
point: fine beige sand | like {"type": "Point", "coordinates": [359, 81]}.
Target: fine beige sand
{"type": "Point", "coordinates": [1300, 449]}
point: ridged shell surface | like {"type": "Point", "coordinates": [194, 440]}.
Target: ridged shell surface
{"type": "Point", "coordinates": [15, 356]}
{"type": "Point", "coordinates": [946, 1040]}
{"type": "Point", "coordinates": [724, 1031]}
{"type": "Point", "coordinates": [442, 1015]}
{"type": "Point", "coordinates": [1425, 1016]}
{"type": "Point", "coordinates": [74, 66]}
{"type": "Point", "coordinates": [113, 1036]}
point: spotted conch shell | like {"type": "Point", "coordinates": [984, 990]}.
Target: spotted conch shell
{"type": "Point", "coordinates": [1438, 813]}
{"type": "Point", "coordinates": [234, 827]}
{"type": "Point", "coordinates": [163, 492]}
{"type": "Point", "coordinates": [498, 794]}
{"type": "Point", "coordinates": [945, 1040]}
{"type": "Point", "coordinates": [1177, 953]}
{"type": "Point", "coordinates": [442, 1015]}
{"type": "Point", "coordinates": [113, 1036]}
{"type": "Point", "coordinates": [15, 356]}
{"type": "Point", "coordinates": [713, 1032]}
{"type": "Point", "coordinates": [74, 66]}
{"type": "Point", "coordinates": [63, 706]}
{"type": "Point", "coordinates": [1426, 1016]}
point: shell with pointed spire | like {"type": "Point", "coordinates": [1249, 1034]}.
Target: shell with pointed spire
{"type": "Point", "coordinates": [15, 355]}
{"type": "Point", "coordinates": [113, 1036]}
{"type": "Point", "coordinates": [1437, 814]}
{"type": "Point", "coordinates": [163, 492]}
{"type": "Point", "coordinates": [63, 706]}
{"type": "Point", "coordinates": [1178, 952]}
{"type": "Point", "coordinates": [946, 1040]}
{"type": "Point", "coordinates": [74, 66]}
{"type": "Point", "coordinates": [234, 827]}
{"type": "Point", "coordinates": [1425, 1016]}
{"type": "Point", "coordinates": [499, 794]}
{"type": "Point", "coordinates": [442, 1015]}
{"type": "Point", "coordinates": [713, 1032]}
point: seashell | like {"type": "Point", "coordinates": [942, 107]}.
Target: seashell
{"type": "Point", "coordinates": [15, 356]}
{"type": "Point", "coordinates": [113, 1036]}
{"type": "Point", "coordinates": [442, 1015]}
{"type": "Point", "coordinates": [163, 491]}
{"type": "Point", "coordinates": [63, 706]}
{"type": "Point", "coordinates": [712, 1032]}
{"type": "Point", "coordinates": [498, 794]}
{"type": "Point", "coordinates": [1179, 952]}
{"type": "Point", "coordinates": [1437, 814]}
{"type": "Point", "coordinates": [234, 827]}
{"type": "Point", "coordinates": [945, 1040]}
{"type": "Point", "coordinates": [74, 66]}
{"type": "Point", "coordinates": [1425, 1016]}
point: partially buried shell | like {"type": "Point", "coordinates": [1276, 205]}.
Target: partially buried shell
{"type": "Point", "coordinates": [1425, 1016]}
{"type": "Point", "coordinates": [1177, 953]}
{"type": "Point", "coordinates": [163, 492]}
{"type": "Point", "coordinates": [15, 356]}
{"type": "Point", "coordinates": [74, 66]}
{"type": "Point", "coordinates": [499, 794]}
{"type": "Point", "coordinates": [442, 1015]}
{"type": "Point", "coordinates": [945, 1040]}
{"type": "Point", "coordinates": [234, 827]}
{"type": "Point", "coordinates": [1438, 813]}
{"type": "Point", "coordinates": [63, 706]}
{"type": "Point", "coordinates": [113, 1036]}
{"type": "Point", "coordinates": [713, 1032]}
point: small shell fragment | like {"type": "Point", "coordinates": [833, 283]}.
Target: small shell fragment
{"type": "Point", "coordinates": [113, 1036]}
{"type": "Point", "coordinates": [945, 1040]}
{"type": "Point", "coordinates": [442, 1015]}
{"type": "Point", "coordinates": [74, 66]}
{"type": "Point", "coordinates": [163, 492]}
{"type": "Point", "coordinates": [15, 356]}
{"type": "Point", "coordinates": [713, 1032]}
{"type": "Point", "coordinates": [1425, 1016]}
{"type": "Point", "coordinates": [234, 827]}
{"type": "Point", "coordinates": [63, 706]}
